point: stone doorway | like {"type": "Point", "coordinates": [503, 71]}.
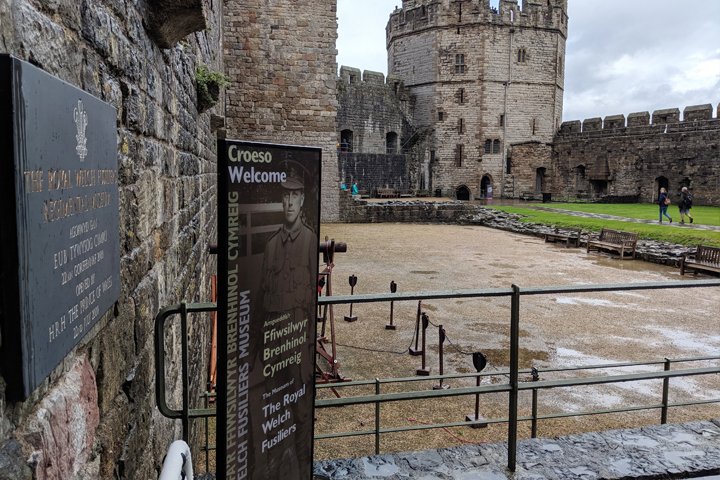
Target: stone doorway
{"type": "Point", "coordinates": [462, 193]}
{"type": "Point", "coordinates": [486, 187]}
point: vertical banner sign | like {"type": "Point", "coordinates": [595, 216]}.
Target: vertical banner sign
{"type": "Point", "coordinates": [269, 220]}
{"type": "Point", "coordinates": [59, 233]}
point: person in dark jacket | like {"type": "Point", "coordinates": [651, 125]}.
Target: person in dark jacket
{"type": "Point", "coordinates": [685, 205]}
{"type": "Point", "coordinates": [663, 202]}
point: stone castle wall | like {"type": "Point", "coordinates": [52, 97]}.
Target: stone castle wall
{"type": "Point", "coordinates": [281, 63]}
{"type": "Point", "coordinates": [372, 108]}
{"type": "Point", "coordinates": [95, 416]}
{"type": "Point", "coordinates": [477, 74]}
{"type": "Point", "coordinates": [634, 157]}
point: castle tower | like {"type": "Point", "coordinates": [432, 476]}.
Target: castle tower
{"type": "Point", "coordinates": [280, 60]}
{"type": "Point", "coordinates": [483, 79]}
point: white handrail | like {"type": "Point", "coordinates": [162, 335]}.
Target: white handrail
{"type": "Point", "coordinates": [178, 462]}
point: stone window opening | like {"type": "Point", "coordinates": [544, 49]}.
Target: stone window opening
{"type": "Point", "coordinates": [458, 155]}
{"type": "Point", "coordinates": [521, 55]}
{"type": "Point", "coordinates": [391, 142]}
{"type": "Point", "coordinates": [352, 79]}
{"type": "Point", "coordinates": [441, 116]}
{"type": "Point", "coordinates": [540, 180]}
{"type": "Point", "coordinates": [502, 119]}
{"type": "Point", "coordinates": [346, 141]}
{"type": "Point", "coordinates": [461, 95]}
{"type": "Point", "coordinates": [533, 125]}
{"type": "Point", "coordinates": [460, 63]}
{"type": "Point", "coordinates": [432, 156]}
{"type": "Point", "coordinates": [492, 145]}
{"type": "Point", "coordinates": [461, 126]}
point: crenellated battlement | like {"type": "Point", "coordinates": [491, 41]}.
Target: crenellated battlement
{"type": "Point", "coordinates": [418, 15]}
{"type": "Point", "coordinates": [661, 121]}
{"type": "Point", "coordinates": [354, 76]}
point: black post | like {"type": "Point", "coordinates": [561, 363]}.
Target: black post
{"type": "Point", "coordinates": [415, 351]}
{"type": "Point", "coordinates": [393, 289]}
{"type": "Point", "coordinates": [441, 336]}
{"type": "Point", "coordinates": [424, 371]}
{"type": "Point", "coordinates": [353, 282]}
{"type": "Point", "coordinates": [479, 362]}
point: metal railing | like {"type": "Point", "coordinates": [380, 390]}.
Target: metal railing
{"type": "Point", "coordinates": [512, 388]}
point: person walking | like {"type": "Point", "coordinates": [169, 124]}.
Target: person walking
{"type": "Point", "coordinates": [685, 205]}
{"type": "Point", "coordinates": [663, 202]}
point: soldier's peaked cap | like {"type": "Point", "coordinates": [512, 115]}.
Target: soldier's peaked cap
{"type": "Point", "coordinates": [294, 180]}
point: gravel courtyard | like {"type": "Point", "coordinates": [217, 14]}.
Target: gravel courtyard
{"type": "Point", "coordinates": [556, 331]}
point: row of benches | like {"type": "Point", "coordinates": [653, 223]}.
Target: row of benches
{"type": "Point", "coordinates": [705, 258]}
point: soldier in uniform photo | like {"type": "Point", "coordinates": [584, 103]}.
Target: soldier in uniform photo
{"type": "Point", "coordinates": [288, 282]}
{"type": "Point", "coordinates": [288, 287]}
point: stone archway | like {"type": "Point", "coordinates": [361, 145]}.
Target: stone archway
{"type": "Point", "coordinates": [462, 193]}
{"type": "Point", "coordinates": [660, 182]}
{"type": "Point", "coordinates": [486, 187]}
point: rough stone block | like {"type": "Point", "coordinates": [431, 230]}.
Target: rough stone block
{"type": "Point", "coordinates": [61, 431]}
{"type": "Point", "coordinates": [614, 121]}
{"type": "Point", "coordinates": [698, 113]}
{"type": "Point", "coordinates": [668, 115]}
{"type": "Point", "coordinates": [592, 124]}
{"type": "Point", "coordinates": [638, 119]}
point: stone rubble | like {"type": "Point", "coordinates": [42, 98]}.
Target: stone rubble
{"type": "Point", "coordinates": [649, 250]}
{"type": "Point", "coordinates": [655, 452]}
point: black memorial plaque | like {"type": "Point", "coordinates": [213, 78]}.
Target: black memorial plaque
{"type": "Point", "coordinates": [60, 255]}
{"type": "Point", "coordinates": [268, 210]}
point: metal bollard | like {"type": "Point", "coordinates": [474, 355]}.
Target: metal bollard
{"type": "Point", "coordinates": [393, 289]}
{"type": "Point", "coordinates": [479, 362]}
{"type": "Point", "coordinates": [441, 336]}
{"type": "Point", "coordinates": [353, 282]}
{"type": "Point", "coordinates": [424, 371]}
{"type": "Point", "coordinates": [416, 351]}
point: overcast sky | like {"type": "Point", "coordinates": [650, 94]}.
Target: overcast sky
{"type": "Point", "coordinates": [623, 56]}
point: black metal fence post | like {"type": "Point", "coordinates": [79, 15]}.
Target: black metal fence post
{"type": "Point", "coordinates": [514, 365]}
{"type": "Point", "coordinates": [665, 395]}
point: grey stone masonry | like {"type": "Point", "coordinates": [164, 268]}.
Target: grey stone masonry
{"type": "Point", "coordinates": [649, 453]}
{"type": "Point", "coordinates": [634, 160]}
{"type": "Point", "coordinates": [95, 416]}
{"type": "Point", "coordinates": [280, 59]}
{"type": "Point", "coordinates": [482, 79]}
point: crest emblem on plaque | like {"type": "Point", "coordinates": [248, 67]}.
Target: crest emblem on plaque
{"type": "Point", "coordinates": [81, 121]}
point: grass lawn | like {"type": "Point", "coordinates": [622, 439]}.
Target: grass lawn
{"type": "Point", "coordinates": [673, 233]}
{"type": "Point", "coordinates": [702, 214]}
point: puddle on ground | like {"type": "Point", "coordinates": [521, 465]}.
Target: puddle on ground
{"type": "Point", "coordinates": [424, 272]}
{"type": "Point", "coordinates": [689, 341]}
{"type": "Point", "coordinates": [504, 265]}
{"type": "Point", "coordinates": [595, 302]}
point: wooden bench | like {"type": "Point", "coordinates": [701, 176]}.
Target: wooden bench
{"type": "Point", "coordinates": [705, 259]}
{"type": "Point", "coordinates": [568, 236]}
{"type": "Point", "coordinates": [614, 240]}
{"type": "Point", "coordinates": [386, 193]}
